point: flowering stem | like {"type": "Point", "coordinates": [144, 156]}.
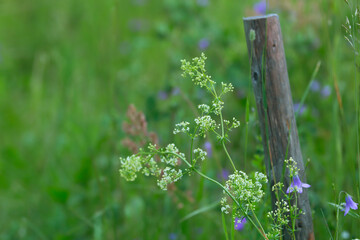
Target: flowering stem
{"type": "Point", "coordinates": [337, 218]}
{"type": "Point", "coordinates": [203, 175]}
{"type": "Point", "coordinates": [224, 226]}
{"type": "Point", "coordinates": [257, 220]}
{"type": "Point", "coordinates": [192, 144]}
{"type": "Point", "coordinates": [228, 155]}
{"type": "Point", "coordinates": [294, 218]}
{"type": "Point", "coordinates": [223, 140]}
{"type": "Point", "coordinates": [261, 231]}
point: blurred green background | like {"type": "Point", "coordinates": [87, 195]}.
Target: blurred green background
{"type": "Point", "coordinates": [69, 70]}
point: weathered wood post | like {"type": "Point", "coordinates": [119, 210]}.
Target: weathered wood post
{"type": "Point", "coordinates": [275, 108]}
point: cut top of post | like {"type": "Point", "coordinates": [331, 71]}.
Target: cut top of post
{"type": "Point", "coordinates": [260, 17]}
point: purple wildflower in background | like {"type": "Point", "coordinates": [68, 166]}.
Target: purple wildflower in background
{"type": "Point", "coordinates": [162, 95]}
{"type": "Point", "coordinates": [297, 185]}
{"type": "Point", "coordinates": [349, 203]}
{"type": "Point", "coordinates": [301, 110]}
{"type": "Point", "coordinates": [326, 91]}
{"type": "Point", "coordinates": [199, 230]}
{"type": "Point", "coordinates": [173, 236]}
{"type": "Point", "coordinates": [203, 3]}
{"type": "Point", "coordinates": [139, 2]}
{"type": "Point", "coordinates": [260, 7]}
{"type": "Point", "coordinates": [208, 148]}
{"type": "Point", "coordinates": [239, 223]}
{"type": "Point", "coordinates": [315, 86]}
{"type": "Point", "coordinates": [175, 91]}
{"type": "Point", "coordinates": [203, 43]}
{"type": "Point", "coordinates": [224, 174]}
{"type": "Point", "coordinates": [137, 25]}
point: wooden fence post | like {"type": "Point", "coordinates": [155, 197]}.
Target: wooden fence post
{"type": "Point", "coordinates": [275, 109]}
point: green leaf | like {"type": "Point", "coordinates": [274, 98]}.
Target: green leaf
{"type": "Point", "coordinates": [201, 210]}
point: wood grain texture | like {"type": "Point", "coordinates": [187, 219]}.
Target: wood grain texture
{"type": "Point", "coordinates": [275, 109]}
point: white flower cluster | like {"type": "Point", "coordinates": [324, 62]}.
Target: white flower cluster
{"type": "Point", "coordinates": [130, 166]}
{"type": "Point", "coordinates": [145, 163]}
{"type": "Point", "coordinates": [200, 154]}
{"type": "Point", "coordinates": [169, 156]}
{"type": "Point", "coordinates": [204, 108]}
{"type": "Point", "coordinates": [292, 166]}
{"type": "Point", "coordinates": [151, 168]}
{"type": "Point", "coordinates": [245, 190]}
{"type": "Point", "coordinates": [279, 218]}
{"type": "Point", "coordinates": [260, 177]}
{"type": "Point", "coordinates": [236, 123]}
{"type": "Point", "coordinates": [196, 71]}
{"type": "Point", "coordinates": [277, 187]}
{"type": "Point", "coordinates": [226, 87]}
{"type": "Point", "coordinates": [225, 206]}
{"type": "Point", "coordinates": [205, 124]}
{"type": "Point", "coordinates": [279, 215]}
{"type": "Point", "coordinates": [169, 175]}
{"type": "Point", "coordinates": [217, 105]}
{"type": "Point", "coordinates": [182, 127]}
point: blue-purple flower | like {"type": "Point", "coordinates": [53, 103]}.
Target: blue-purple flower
{"type": "Point", "coordinates": [203, 43]}
{"type": "Point", "coordinates": [300, 109]}
{"type": "Point", "coordinates": [202, 3]}
{"type": "Point", "coordinates": [326, 91]}
{"type": "Point", "coordinates": [175, 91]}
{"type": "Point", "coordinates": [239, 223]}
{"type": "Point", "coordinates": [208, 148]}
{"type": "Point", "coordinates": [297, 185]}
{"type": "Point", "coordinates": [260, 7]}
{"type": "Point", "coordinates": [162, 95]}
{"type": "Point", "coordinates": [225, 174]}
{"type": "Point", "coordinates": [173, 236]}
{"type": "Point", "coordinates": [349, 203]}
{"type": "Point", "coordinates": [315, 86]}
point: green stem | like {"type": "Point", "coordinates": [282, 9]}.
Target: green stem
{"type": "Point", "coordinates": [337, 218]}
{"type": "Point", "coordinates": [294, 218]}
{"type": "Point", "coordinates": [228, 155]}
{"type": "Point", "coordinates": [257, 220]}
{"type": "Point", "coordinates": [224, 226]}
{"type": "Point", "coordinates": [192, 144]}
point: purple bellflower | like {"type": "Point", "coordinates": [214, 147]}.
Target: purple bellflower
{"type": "Point", "coordinates": [208, 148]}
{"type": "Point", "coordinates": [239, 223]}
{"type": "Point", "coordinates": [315, 86]}
{"type": "Point", "coordinates": [162, 95]}
{"type": "Point", "coordinates": [175, 91]}
{"type": "Point", "coordinates": [297, 185]}
{"type": "Point", "coordinates": [325, 91]}
{"type": "Point", "coordinates": [203, 43]}
{"type": "Point", "coordinates": [300, 109]}
{"type": "Point", "coordinates": [225, 174]}
{"type": "Point", "coordinates": [260, 7]}
{"type": "Point", "coordinates": [349, 203]}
